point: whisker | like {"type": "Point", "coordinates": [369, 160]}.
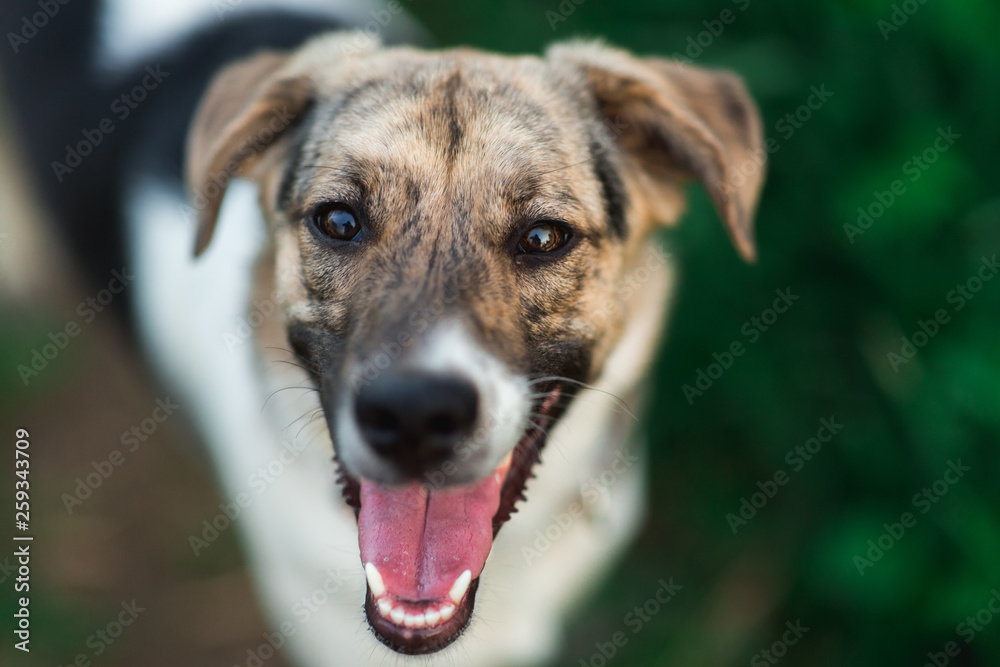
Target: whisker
{"type": "Point", "coordinates": [312, 420]}
{"type": "Point", "coordinates": [545, 432]}
{"type": "Point", "coordinates": [285, 389]}
{"type": "Point", "coordinates": [574, 164]}
{"type": "Point", "coordinates": [591, 387]}
{"type": "Point", "coordinates": [300, 417]}
{"type": "Point", "coordinates": [309, 366]}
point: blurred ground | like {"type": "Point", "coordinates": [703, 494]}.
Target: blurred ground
{"type": "Point", "coordinates": [127, 540]}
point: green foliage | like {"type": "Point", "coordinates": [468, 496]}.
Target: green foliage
{"type": "Point", "coordinates": [828, 355]}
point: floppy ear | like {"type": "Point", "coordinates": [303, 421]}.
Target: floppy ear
{"type": "Point", "coordinates": [677, 122]}
{"type": "Point", "coordinates": [248, 106]}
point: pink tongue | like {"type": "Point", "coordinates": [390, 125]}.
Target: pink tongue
{"type": "Point", "coordinates": [421, 540]}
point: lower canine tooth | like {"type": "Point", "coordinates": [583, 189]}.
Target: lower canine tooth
{"type": "Point", "coordinates": [460, 586]}
{"type": "Point", "coordinates": [447, 611]}
{"type": "Point", "coordinates": [397, 615]}
{"type": "Point", "coordinates": [374, 580]}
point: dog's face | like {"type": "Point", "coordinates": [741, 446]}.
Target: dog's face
{"type": "Point", "coordinates": [449, 229]}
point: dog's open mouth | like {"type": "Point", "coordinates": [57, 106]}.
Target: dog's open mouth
{"type": "Point", "coordinates": [424, 548]}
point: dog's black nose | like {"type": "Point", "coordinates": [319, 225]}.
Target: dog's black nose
{"type": "Point", "coordinates": [416, 418]}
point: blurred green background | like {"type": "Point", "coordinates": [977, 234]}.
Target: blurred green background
{"type": "Point", "coordinates": [859, 294]}
{"type": "Point", "coordinates": [861, 291]}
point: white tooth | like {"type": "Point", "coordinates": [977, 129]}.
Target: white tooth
{"type": "Point", "coordinates": [374, 580]}
{"type": "Point", "coordinates": [397, 615]}
{"type": "Point", "coordinates": [447, 611]}
{"type": "Point", "coordinates": [433, 616]}
{"type": "Point", "coordinates": [414, 621]}
{"type": "Point", "coordinates": [460, 586]}
{"type": "Point", "coordinates": [385, 607]}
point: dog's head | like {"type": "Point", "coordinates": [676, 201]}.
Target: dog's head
{"type": "Point", "coordinates": [446, 226]}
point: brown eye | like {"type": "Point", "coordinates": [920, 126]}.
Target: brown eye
{"type": "Point", "coordinates": [543, 237]}
{"type": "Point", "coordinates": [337, 222]}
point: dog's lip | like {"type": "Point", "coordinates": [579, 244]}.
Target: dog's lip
{"type": "Point", "coordinates": [516, 470]}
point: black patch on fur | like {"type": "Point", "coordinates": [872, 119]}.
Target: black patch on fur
{"type": "Point", "coordinates": [734, 107]}
{"type": "Point", "coordinates": [569, 357]}
{"type": "Point", "coordinates": [533, 311]}
{"type": "Point", "coordinates": [293, 163]}
{"type": "Point", "coordinates": [354, 94]}
{"type": "Point", "coordinates": [412, 194]}
{"type": "Point", "coordinates": [357, 172]}
{"type": "Point", "coordinates": [612, 189]}
{"type": "Point", "coordinates": [315, 347]}
{"type": "Point", "coordinates": [665, 150]}
{"type": "Point", "coordinates": [410, 224]}
{"type": "Point", "coordinates": [455, 133]}
{"type": "Point", "coordinates": [524, 190]}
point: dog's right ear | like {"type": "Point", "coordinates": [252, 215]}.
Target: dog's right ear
{"type": "Point", "coordinates": [248, 106]}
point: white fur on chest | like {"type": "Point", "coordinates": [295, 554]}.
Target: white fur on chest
{"type": "Point", "coordinates": [301, 539]}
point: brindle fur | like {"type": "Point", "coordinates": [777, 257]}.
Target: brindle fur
{"type": "Point", "coordinates": [447, 157]}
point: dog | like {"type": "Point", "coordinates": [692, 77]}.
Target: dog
{"type": "Point", "coordinates": [410, 298]}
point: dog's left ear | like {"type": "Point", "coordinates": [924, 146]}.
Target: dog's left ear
{"type": "Point", "coordinates": [676, 122]}
{"type": "Point", "coordinates": [245, 110]}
